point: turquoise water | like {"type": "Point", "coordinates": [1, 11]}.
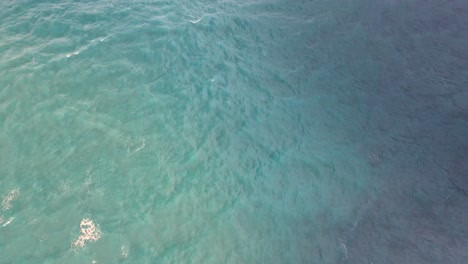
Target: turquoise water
{"type": "Point", "coordinates": [233, 132]}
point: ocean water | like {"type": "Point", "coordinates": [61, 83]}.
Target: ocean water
{"type": "Point", "coordinates": [324, 131]}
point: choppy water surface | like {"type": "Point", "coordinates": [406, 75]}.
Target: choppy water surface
{"type": "Point", "coordinates": [233, 132]}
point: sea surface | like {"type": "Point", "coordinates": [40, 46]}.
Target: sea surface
{"type": "Point", "coordinates": [319, 131]}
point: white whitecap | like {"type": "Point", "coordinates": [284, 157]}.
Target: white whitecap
{"type": "Point", "coordinates": [196, 21]}
{"type": "Point", "coordinates": [9, 221]}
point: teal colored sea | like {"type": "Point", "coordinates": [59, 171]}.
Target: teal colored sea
{"type": "Point", "coordinates": [321, 131]}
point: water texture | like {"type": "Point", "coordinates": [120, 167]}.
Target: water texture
{"type": "Point", "coordinates": [234, 132]}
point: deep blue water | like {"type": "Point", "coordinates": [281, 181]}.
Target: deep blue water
{"type": "Point", "coordinates": [324, 131]}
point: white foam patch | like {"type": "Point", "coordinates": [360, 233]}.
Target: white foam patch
{"type": "Point", "coordinates": [89, 232]}
{"type": "Point", "coordinates": [7, 200]}
{"type": "Point", "coordinates": [124, 251]}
